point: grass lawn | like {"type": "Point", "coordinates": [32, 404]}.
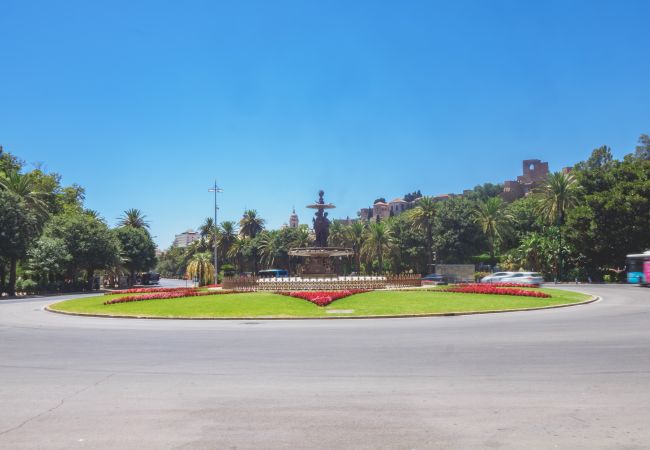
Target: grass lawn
{"type": "Point", "coordinates": [265, 304]}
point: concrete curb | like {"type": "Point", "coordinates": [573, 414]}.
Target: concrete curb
{"type": "Point", "coordinates": [402, 316]}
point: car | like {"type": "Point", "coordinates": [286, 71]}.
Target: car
{"type": "Point", "coordinates": [434, 278]}
{"type": "Point", "coordinates": [496, 277]}
{"type": "Point", "coordinates": [524, 278]}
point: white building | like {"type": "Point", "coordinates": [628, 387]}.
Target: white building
{"type": "Point", "coordinates": [186, 238]}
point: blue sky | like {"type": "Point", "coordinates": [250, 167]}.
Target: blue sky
{"type": "Point", "coordinates": [146, 103]}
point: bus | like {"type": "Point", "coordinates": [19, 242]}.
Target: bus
{"type": "Point", "coordinates": [638, 268]}
{"type": "Point", "coordinates": [273, 273]}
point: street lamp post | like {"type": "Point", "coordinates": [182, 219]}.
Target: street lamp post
{"type": "Point", "coordinates": [216, 189]}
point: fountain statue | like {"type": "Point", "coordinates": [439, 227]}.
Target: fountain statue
{"type": "Point", "coordinates": [319, 259]}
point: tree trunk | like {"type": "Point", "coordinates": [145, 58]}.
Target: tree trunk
{"type": "Point", "coordinates": [89, 278]}
{"type": "Point", "coordinates": [11, 288]}
{"type": "Point", "coordinates": [2, 277]}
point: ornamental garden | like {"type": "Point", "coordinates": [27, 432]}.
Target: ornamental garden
{"type": "Point", "coordinates": [215, 302]}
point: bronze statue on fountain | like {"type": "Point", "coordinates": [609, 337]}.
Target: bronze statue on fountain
{"type": "Point", "coordinates": [319, 260]}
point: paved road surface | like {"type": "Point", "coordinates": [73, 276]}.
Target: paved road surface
{"type": "Point", "coordinates": [566, 378]}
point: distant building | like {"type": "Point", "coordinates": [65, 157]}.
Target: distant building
{"type": "Point", "coordinates": [186, 238]}
{"type": "Point", "coordinates": [293, 219]}
{"type": "Point", "coordinates": [534, 173]}
{"type": "Point", "coordinates": [398, 206]}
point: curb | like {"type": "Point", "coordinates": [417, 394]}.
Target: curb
{"type": "Point", "coordinates": [401, 316]}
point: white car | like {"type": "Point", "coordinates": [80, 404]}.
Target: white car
{"type": "Point", "coordinates": [523, 278]}
{"type": "Point", "coordinates": [496, 277]}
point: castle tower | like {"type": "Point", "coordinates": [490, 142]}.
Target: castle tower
{"type": "Point", "coordinates": [293, 219]}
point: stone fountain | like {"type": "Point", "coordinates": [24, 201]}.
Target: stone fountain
{"type": "Point", "coordinates": [319, 260]}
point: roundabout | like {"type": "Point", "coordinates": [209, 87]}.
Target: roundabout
{"type": "Point", "coordinates": [569, 378]}
{"type": "Point", "coordinates": [314, 305]}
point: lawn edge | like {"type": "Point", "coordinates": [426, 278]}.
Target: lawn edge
{"type": "Point", "coordinates": [592, 299]}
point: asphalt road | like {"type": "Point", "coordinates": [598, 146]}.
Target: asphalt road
{"type": "Point", "coordinates": [575, 377]}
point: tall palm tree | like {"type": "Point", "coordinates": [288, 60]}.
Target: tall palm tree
{"type": "Point", "coordinates": [25, 187]}
{"type": "Point", "coordinates": [356, 236]}
{"type": "Point", "coordinates": [200, 267]}
{"type": "Point", "coordinates": [133, 218]}
{"type": "Point", "coordinates": [207, 227]}
{"type": "Point", "coordinates": [272, 249]}
{"type": "Point", "coordinates": [236, 252]}
{"type": "Point", "coordinates": [423, 216]}
{"type": "Point", "coordinates": [558, 194]}
{"type": "Point", "coordinates": [251, 224]}
{"type": "Point", "coordinates": [227, 236]}
{"type": "Point", "coordinates": [378, 243]}
{"type": "Point", "coordinates": [493, 219]}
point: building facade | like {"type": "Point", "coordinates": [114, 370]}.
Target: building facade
{"type": "Point", "coordinates": [186, 238]}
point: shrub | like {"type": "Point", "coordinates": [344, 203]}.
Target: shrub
{"type": "Point", "coordinates": [27, 286]}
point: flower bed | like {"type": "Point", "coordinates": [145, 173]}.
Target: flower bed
{"type": "Point", "coordinates": [322, 298]}
{"type": "Point", "coordinates": [166, 295]}
{"type": "Point", "coordinates": [494, 290]}
{"type": "Point", "coordinates": [150, 290]}
{"type": "Point", "coordinates": [514, 285]}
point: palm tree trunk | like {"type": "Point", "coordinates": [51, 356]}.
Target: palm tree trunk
{"type": "Point", "coordinates": [2, 277]}
{"type": "Point", "coordinates": [11, 288]}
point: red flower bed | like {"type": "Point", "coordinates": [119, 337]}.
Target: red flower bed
{"type": "Point", "coordinates": [212, 286]}
{"type": "Point", "coordinates": [515, 285]}
{"type": "Point", "coordinates": [487, 288]}
{"type": "Point", "coordinates": [322, 298]}
{"type": "Point", "coordinates": [166, 295]}
{"type": "Point", "coordinates": [150, 290]}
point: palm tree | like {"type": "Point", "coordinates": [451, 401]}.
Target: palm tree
{"type": "Point", "coordinates": [25, 187]}
{"type": "Point", "coordinates": [133, 218]}
{"type": "Point", "coordinates": [209, 232]}
{"type": "Point", "coordinates": [378, 243]}
{"type": "Point", "coordinates": [200, 267]}
{"type": "Point", "coordinates": [236, 252]}
{"type": "Point", "coordinates": [337, 235]}
{"type": "Point", "coordinates": [227, 236]}
{"type": "Point", "coordinates": [423, 216]}
{"type": "Point", "coordinates": [557, 196]}
{"type": "Point", "coordinates": [251, 224]}
{"type": "Point", "coordinates": [356, 236]}
{"type": "Point", "coordinates": [271, 247]}
{"type": "Point", "coordinates": [207, 228]}
{"type": "Point", "coordinates": [493, 219]}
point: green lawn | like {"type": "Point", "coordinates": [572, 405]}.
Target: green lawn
{"type": "Point", "coordinates": [264, 304]}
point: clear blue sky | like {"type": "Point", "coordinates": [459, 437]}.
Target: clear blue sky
{"type": "Point", "coordinates": [144, 103]}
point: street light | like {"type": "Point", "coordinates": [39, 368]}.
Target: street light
{"type": "Point", "coordinates": [216, 189]}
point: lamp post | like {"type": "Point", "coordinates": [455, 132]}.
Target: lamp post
{"type": "Point", "coordinates": [216, 189]}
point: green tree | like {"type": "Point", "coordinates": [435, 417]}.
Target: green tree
{"type": "Point", "coordinates": [558, 194]}
{"type": "Point", "coordinates": [137, 250]}
{"type": "Point", "coordinates": [133, 218]}
{"type": "Point", "coordinates": [423, 217]}
{"type": "Point", "coordinates": [492, 218]}
{"type": "Point", "coordinates": [378, 243]}
{"type": "Point", "coordinates": [25, 187]}
{"type": "Point", "coordinates": [18, 228]}
{"type": "Point", "coordinates": [356, 236]}
{"type": "Point", "coordinates": [457, 238]}
{"type": "Point", "coordinates": [88, 240]}
{"type": "Point", "coordinates": [48, 258]}
{"type": "Point", "coordinates": [251, 224]}
{"type": "Point", "coordinates": [227, 237]}
{"type": "Point", "coordinates": [642, 150]}
{"type": "Point", "coordinates": [200, 268]}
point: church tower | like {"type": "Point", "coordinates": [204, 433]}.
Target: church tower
{"type": "Point", "coordinates": [293, 219]}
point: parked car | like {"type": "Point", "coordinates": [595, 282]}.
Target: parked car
{"type": "Point", "coordinates": [524, 278]}
{"type": "Point", "coordinates": [496, 277]}
{"type": "Point", "coordinates": [434, 278]}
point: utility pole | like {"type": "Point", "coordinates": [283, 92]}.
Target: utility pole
{"type": "Point", "coordinates": [216, 189]}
